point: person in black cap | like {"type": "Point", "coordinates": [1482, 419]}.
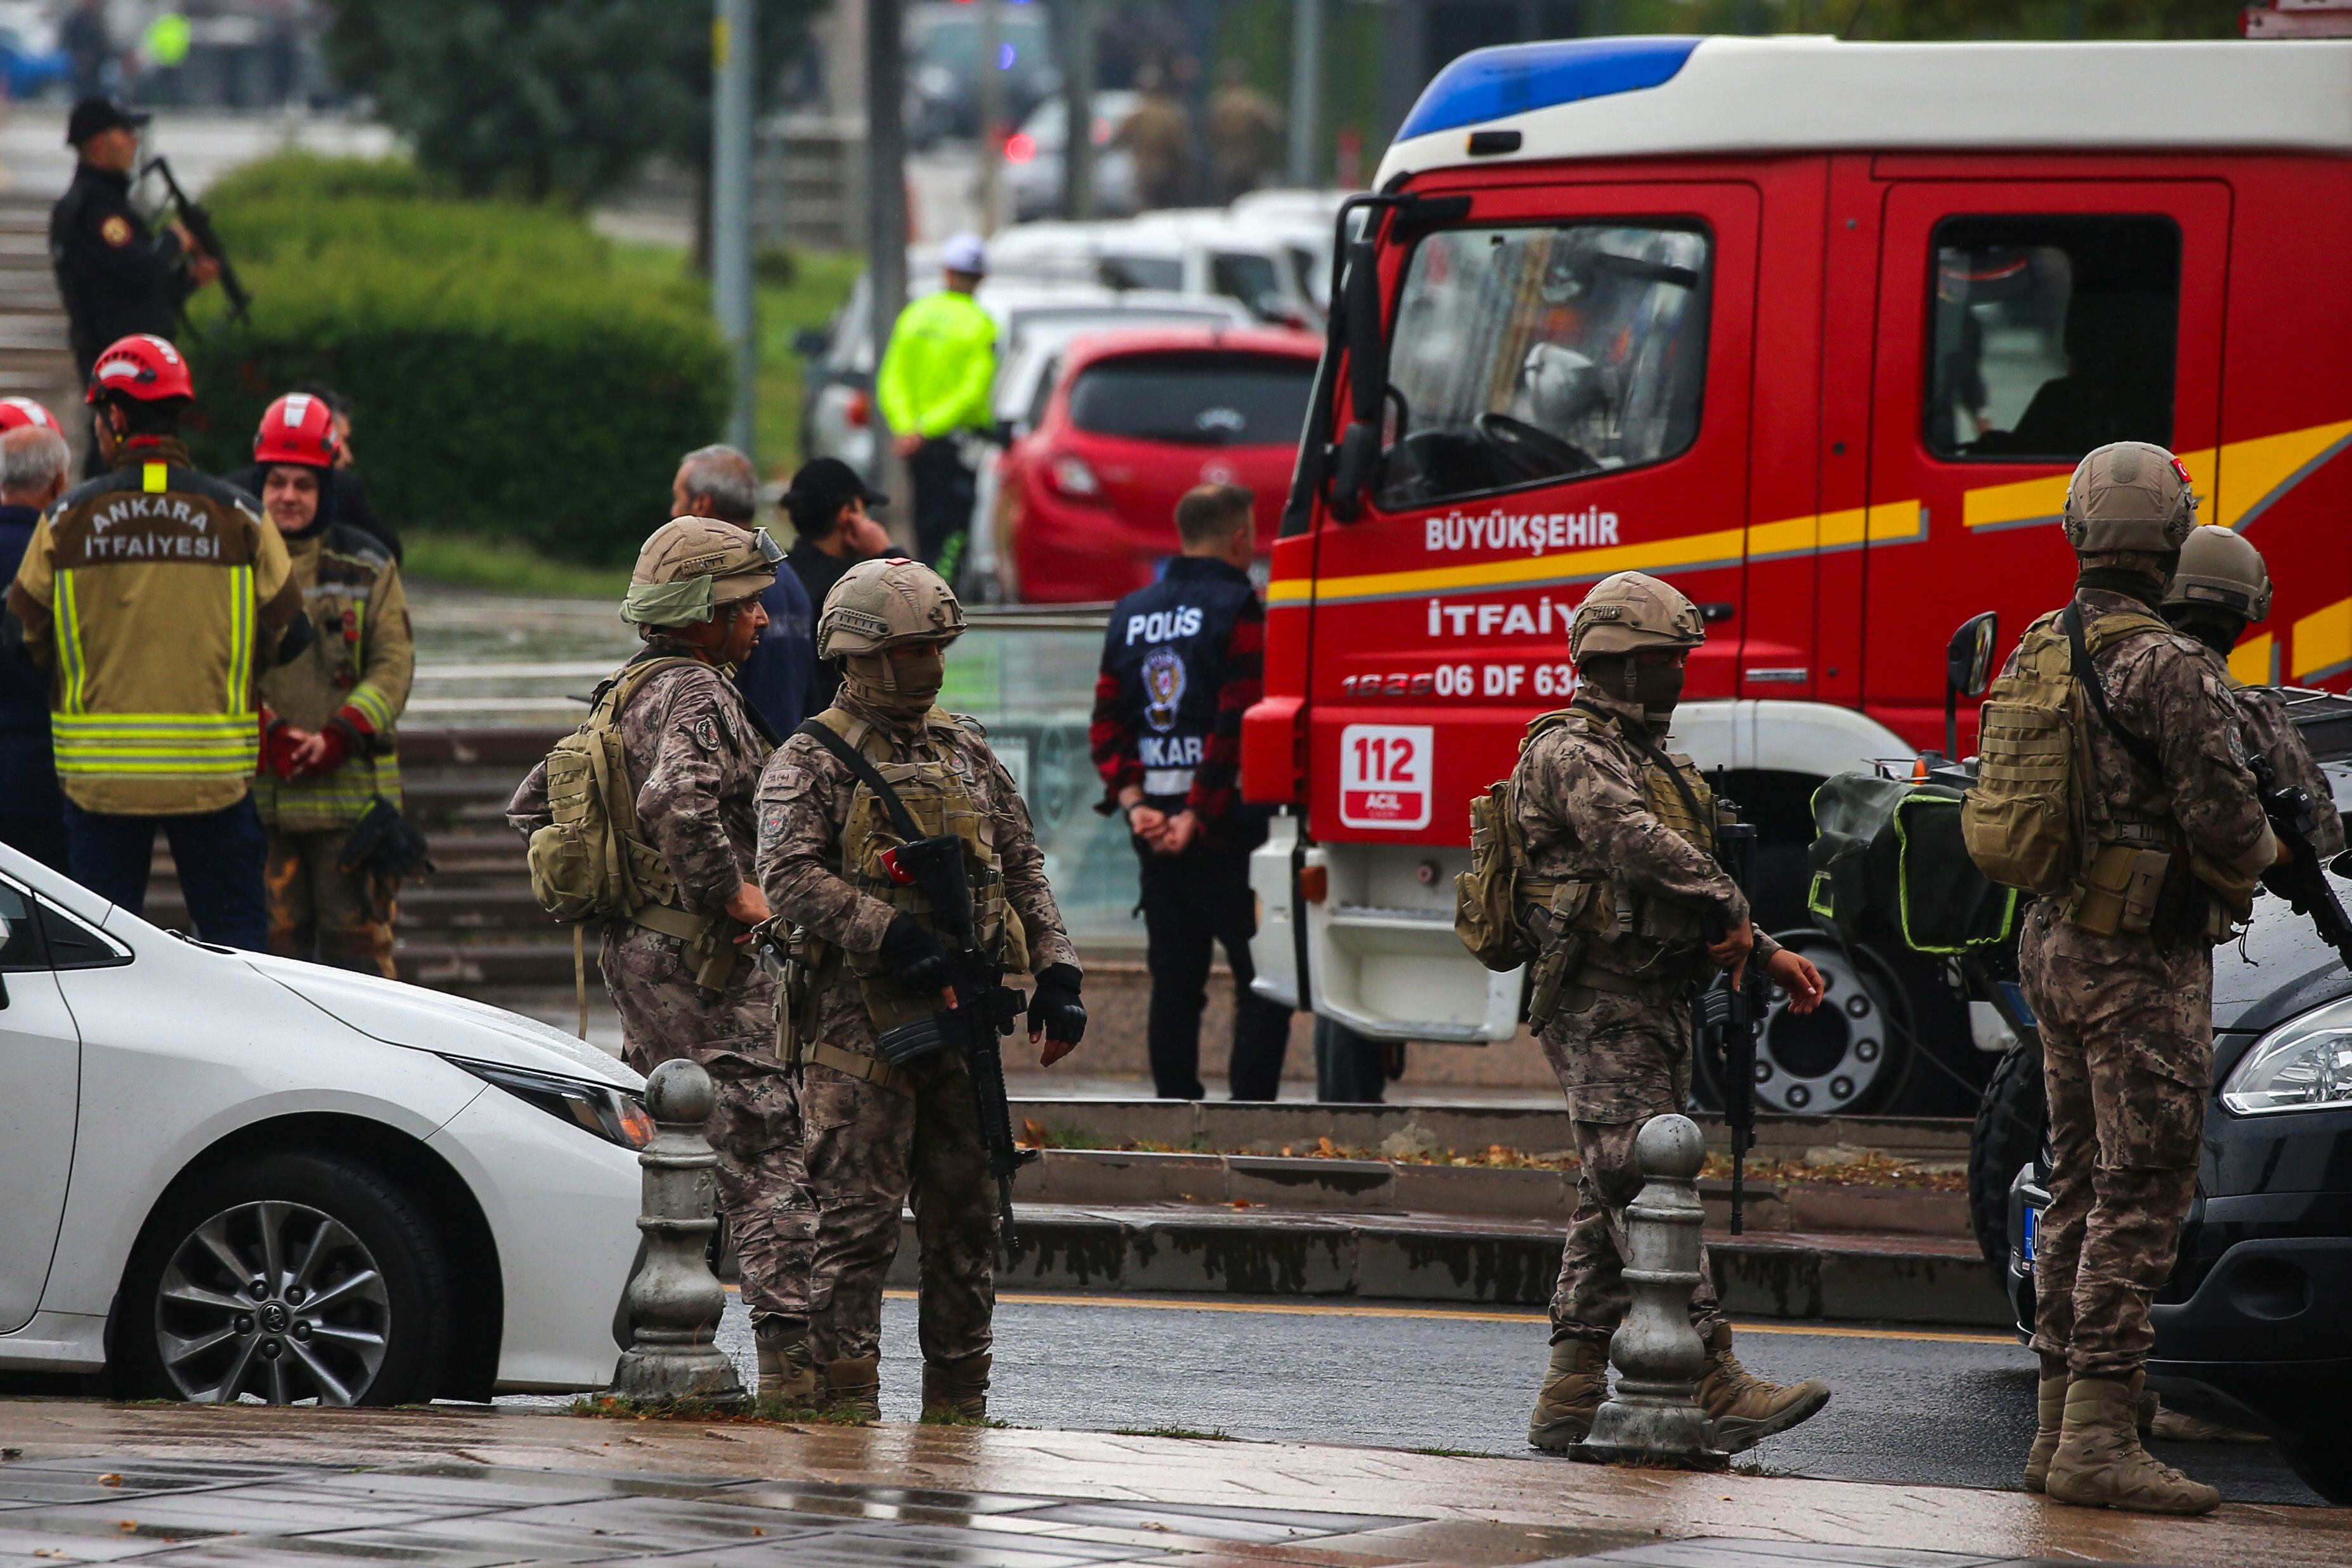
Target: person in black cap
{"type": "Point", "coordinates": [116, 275]}
{"type": "Point", "coordinates": [827, 504]}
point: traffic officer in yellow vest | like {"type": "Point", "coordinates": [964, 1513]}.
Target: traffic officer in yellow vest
{"type": "Point", "coordinates": [1640, 915]}
{"type": "Point", "coordinates": [677, 966]}
{"type": "Point", "coordinates": [2170, 840]}
{"type": "Point", "coordinates": [933, 389]}
{"type": "Point", "coordinates": [329, 752]}
{"type": "Point", "coordinates": [870, 959]}
{"type": "Point", "coordinates": [157, 598]}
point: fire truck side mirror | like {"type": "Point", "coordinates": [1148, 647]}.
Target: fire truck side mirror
{"type": "Point", "coordinates": [1368, 380]}
{"type": "Point", "coordinates": [1967, 658]}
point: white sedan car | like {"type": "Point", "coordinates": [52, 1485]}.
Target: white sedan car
{"type": "Point", "coordinates": [234, 1176]}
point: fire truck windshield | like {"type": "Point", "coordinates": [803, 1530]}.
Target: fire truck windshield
{"type": "Point", "coordinates": [1528, 355]}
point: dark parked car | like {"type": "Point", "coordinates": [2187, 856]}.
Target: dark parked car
{"type": "Point", "coordinates": [2255, 1328]}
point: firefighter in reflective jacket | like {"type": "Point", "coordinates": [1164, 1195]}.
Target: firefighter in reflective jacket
{"type": "Point", "coordinates": [328, 747]}
{"type": "Point", "coordinates": [156, 598]}
{"type": "Point", "coordinates": [1183, 660]}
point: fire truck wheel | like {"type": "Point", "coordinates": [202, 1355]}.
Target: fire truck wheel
{"type": "Point", "coordinates": [1854, 1055]}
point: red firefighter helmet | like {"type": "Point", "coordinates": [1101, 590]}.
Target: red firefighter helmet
{"type": "Point", "coordinates": [16, 413]}
{"type": "Point", "coordinates": [141, 366]}
{"type": "Point", "coordinates": [298, 428]}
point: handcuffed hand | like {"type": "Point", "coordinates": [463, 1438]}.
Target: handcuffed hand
{"type": "Point", "coordinates": [1055, 1013]}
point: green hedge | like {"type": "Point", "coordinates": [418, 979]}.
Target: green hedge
{"type": "Point", "coordinates": [507, 382]}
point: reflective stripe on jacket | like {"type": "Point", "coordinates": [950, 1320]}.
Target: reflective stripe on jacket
{"type": "Point", "coordinates": [154, 595]}
{"type": "Point", "coordinates": [360, 665]}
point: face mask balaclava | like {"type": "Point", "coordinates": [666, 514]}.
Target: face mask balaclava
{"type": "Point", "coordinates": [1657, 685]}
{"type": "Point", "coordinates": [2216, 629]}
{"type": "Point", "coordinates": [896, 688]}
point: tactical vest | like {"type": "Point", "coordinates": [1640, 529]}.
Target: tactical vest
{"type": "Point", "coordinates": [943, 797]}
{"type": "Point", "coordinates": [1619, 909]}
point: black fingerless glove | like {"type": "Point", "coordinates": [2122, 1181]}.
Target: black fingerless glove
{"type": "Point", "coordinates": [913, 956]}
{"type": "Point", "coordinates": [1054, 1007]}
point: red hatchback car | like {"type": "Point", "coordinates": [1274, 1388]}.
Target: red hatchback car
{"type": "Point", "coordinates": [1131, 421]}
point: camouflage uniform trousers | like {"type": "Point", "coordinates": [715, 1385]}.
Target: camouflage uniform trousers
{"type": "Point", "coordinates": [2127, 1060]}
{"type": "Point", "coordinates": [319, 911]}
{"type": "Point", "coordinates": [755, 1124]}
{"type": "Point", "coordinates": [871, 1150]}
{"type": "Point", "coordinates": [1621, 1060]}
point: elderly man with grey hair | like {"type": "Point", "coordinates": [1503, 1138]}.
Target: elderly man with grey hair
{"type": "Point", "coordinates": [720, 482]}
{"type": "Point", "coordinates": [32, 467]}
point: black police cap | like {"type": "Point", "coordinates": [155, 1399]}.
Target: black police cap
{"type": "Point", "coordinates": [95, 115]}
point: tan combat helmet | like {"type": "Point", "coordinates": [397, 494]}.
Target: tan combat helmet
{"type": "Point", "coordinates": [879, 604]}
{"type": "Point", "coordinates": [2219, 568]}
{"type": "Point", "coordinates": [2129, 496]}
{"type": "Point", "coordinates": [690, 566]}
{"type": "Point", "coordinates": [1628, 611]}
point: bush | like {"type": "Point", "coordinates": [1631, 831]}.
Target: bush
{"type": "Point", "coordinates": [507, 382]}
{"type": "Point", "coordinates": [311, 177]}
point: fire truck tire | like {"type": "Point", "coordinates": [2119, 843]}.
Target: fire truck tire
{"type": "Point", "coordinates": [1853, 1056]}
{"type": "Point", "coordinates": [2013, 1121]}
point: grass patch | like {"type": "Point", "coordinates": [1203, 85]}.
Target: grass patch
{"type": "Point", "coordinates": [471, 560]}
{"type": "Point", "coordinates": [818, 282]}
{"type": "Point", "coordinates": [1187, 1433]}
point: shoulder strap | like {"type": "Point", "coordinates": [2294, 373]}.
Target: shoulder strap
{"type": "Point", "coordinates": [868, 775]}
{"type": "Point", "coordinates": [2087, 675]}
{"type": "Point", "coordinates": [1643, 744]}
{"type": "Point", "coordinates": [626, 683]}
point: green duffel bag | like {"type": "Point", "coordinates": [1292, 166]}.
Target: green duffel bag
{"type": "Point", "coordinates": [1887, 861]}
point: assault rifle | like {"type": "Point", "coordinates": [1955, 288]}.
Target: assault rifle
{"type": "Point", "coordinates": [1729, 1017]}
{"type": "Point", "coordinates": [198, 221]}
{"type": "Point", "coordinates": [983, 1008]}
{"type": "Point", "coordinates": [2302, 881]}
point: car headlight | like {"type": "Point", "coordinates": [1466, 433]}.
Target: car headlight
{"type": "Point", "coordinates": [2301, 1065]}
{"type": "Point", "coordinates": [612, 1114]}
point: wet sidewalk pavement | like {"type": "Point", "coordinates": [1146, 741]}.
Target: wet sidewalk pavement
{"type": "Point", "coordinates": [87, 1482]}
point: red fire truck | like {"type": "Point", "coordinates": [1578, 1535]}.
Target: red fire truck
{"type": "Point", "coordinates": [1815, 331]}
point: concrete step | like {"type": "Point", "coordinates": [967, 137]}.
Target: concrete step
{"type": "Point", "coordinates": [1441, 1258]}
{"type": "Point", "coordinates": [1265, 1129]}
{"type": "Point", "coordinates": [1291, 1187]}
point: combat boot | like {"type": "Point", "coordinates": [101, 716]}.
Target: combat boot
{"type": "Point", "coordinates": [2050, 1421]}
{"type": "Point", "coordinates": [787, 1373]}
{"type": "Point", "coordinates": [2100, 1464]}
{"type": "Point", "coordinates": [1573, 1388]}
{"type": "Point", "coordinates": [1744, 1408]}
{"type": "Point", "coordinates": [956, 1390]}
{"type": "Point", "coordinates": [854, 1387]}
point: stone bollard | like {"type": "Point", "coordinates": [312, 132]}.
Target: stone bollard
{"type": "Point", "coordinates": [1654, 1417]}
{"type": "Point", "coordinates": [674, 1300]}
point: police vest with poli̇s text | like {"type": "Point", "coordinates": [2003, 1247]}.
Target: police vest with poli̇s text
{"type": "Point", "coordinates": [1165, 650]}
{"type": "Point", "coordinates": [157, 597]}
{"type": "Point", "coordinates": [1570, 928]}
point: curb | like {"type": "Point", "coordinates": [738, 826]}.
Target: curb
{"type": "Point", "coordinates": [1184, 1250]}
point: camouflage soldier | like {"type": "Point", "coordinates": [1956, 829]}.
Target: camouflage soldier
{"type": "Point", "coordinates": [1620, 835]}
{"type": "Point", "coordinates": [880, 1134]}
{"type": "Point", "coordinates": [2120, 971]}
{"type": "Point", "coordinates": [2221, 588]}
{"type": "Point", "coordinates": [677, 968]}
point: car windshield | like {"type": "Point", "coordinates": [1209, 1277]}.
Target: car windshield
{"type": "Point", "coordinates": [1524, 356]}
{"type": "Point", "coordinates": [1165, 273]}
{"type": "Point", "coordinates": [1194, 399]}
{"type": "Point", "coordinates": [1248, 278]}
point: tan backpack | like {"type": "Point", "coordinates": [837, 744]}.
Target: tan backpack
{"type": "Point", "coordinates": [590, 863]}
{"type": "Point", "coordinates": [1492, 899]}
{"type": "Point", "coordinates": [2025, 820]}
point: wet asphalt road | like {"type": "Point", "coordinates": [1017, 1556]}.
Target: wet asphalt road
{"type": "Point", "coordinates": [1917, 1406]}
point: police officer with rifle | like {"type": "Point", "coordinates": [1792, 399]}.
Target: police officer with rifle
{"type": "Point", "coordinates": [1612, 845]}
{"type": "Point", "coordinates": [897, 855]}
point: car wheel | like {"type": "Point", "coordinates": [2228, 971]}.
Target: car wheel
{"type": "Point", "coordinates": [294, 1277]}
{"type": "Point", "coordinates": [1852, 1055]}
{"type": "Point", "coordinates": [2322, 1461]}
{"type": "Point", "coordinates": [2012, 1120]}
